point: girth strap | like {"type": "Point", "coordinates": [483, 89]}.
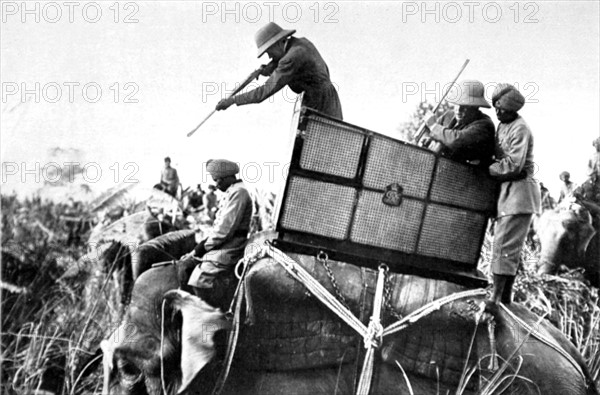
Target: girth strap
{"type": "Point", "coordinates": [373, 334]}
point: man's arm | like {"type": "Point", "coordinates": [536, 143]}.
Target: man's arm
{"type": "Point", "coordinates": [283, 74]}
{"type": "Point", "coordinates": [475, 134]}
{"type": "Point", "coordinates": [510, 166]}
{"type": "Point", "coordinates": [228, 221]}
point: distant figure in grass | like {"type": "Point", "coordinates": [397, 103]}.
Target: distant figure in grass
{"type": "Point", "coordinates": [169, 180]}
{"type": "Point", "coordinates": [209, 200]}
{"type": "Point", "coordinates": [548, 202]}
{"type": "Point", "coordinates": [196, 197]}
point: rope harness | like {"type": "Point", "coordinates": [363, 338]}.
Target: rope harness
{"type": "Point", "coordinates": [374, 332]}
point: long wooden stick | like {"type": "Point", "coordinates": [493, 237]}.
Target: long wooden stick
{"type": "Point", "coordinates": [248, 80]}
{"type": "Point", "coordinates": [421, 130]}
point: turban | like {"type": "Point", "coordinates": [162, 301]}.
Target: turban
{"type": "Point", "coordinates": [507, 97]}
{"type": "Point", "coordinates": [564, 174]}
{"type": "Point", "coordinates": [219, 168]}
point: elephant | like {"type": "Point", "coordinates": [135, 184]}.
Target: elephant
{"type": "Point", "coordinates": [133, 243]}
{"type": "Point", "coordinates": [168, 247]}
{"type": "Point", "coordinates": [172, 342]}
{"type": "Point", "coordinates": [568, 238]}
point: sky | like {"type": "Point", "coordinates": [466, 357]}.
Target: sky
{"type": "Point", "coordinates": [118, 85]}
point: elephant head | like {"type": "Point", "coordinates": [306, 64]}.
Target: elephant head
{"type": "Point", "coordinates": [564, 236]}
{"type": "Point", "coordinates": [144, 354]}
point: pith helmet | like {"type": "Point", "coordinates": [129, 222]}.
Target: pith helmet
{"type": "Point", "coordinates": [269, 35]}
{"type": "Point", "coordinates": [470, 93]}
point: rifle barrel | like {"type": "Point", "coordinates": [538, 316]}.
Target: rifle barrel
{"type": "Point", "coordinates": [248, 80]}
{"type": "Point", "coordinates": [421, 129]}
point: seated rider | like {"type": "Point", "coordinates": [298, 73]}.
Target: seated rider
{"type": "Point", "coordinates": [196, 197]}
{"type": "Point", "coordinates": [465, 133]}
{"type": "Point", "coordinates": [213, 279]}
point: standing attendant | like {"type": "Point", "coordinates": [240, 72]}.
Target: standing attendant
{"type": "Point", "coordinates": [295, 63]}
{"type": "Point", "coordinates": [593, 166]}
{"type": "Point", "coordinates": [519, 197]}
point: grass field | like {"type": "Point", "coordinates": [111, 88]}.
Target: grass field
{"type": "Point", "coordinates": [56, 306]}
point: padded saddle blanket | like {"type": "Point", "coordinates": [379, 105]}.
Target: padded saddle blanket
{"type": "Point", "coordinates": [288, 329]}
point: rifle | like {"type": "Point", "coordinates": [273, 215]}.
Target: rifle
{"type": "Point", "coordinates": [421, 130]}
{"type": "Point", "coordinates": [254, 75]}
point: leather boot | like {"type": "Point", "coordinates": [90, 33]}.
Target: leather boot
{"type": "Point", "coordinates": [507, 292]}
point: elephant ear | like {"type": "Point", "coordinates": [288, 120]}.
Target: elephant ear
{"type": "Point", "coordinates": [200, 323]}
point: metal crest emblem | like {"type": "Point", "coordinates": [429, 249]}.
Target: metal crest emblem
{"type": "Point", "coordinates": [392, 195]}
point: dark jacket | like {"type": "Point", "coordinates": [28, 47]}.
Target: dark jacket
{"type": "Point", "coordinates": [303, 69]}
{"type": "Point", "coordinates": [466, 142]}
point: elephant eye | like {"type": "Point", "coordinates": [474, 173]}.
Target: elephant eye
{"type": "Point", "coordinates": [128, 371]}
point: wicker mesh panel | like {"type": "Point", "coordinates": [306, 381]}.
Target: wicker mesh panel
{"type": "Point", "coordinates": [390, 161]}
{"type": "Point", "coordinates": [317, 207]}
{"type": "Point", "coordinates": [462, 185]}
{"type": "Point", "coordinates": [384, 226]}
{"type": "Point", "coordinates": [451, 233]}
{"type": "Point", "coordinates": [331, 148]}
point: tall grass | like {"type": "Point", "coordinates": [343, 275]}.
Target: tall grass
{"type": "Point", "coordinates": [567, 302]}
{"type": "Point", "coordinates": [56, 307]}
{"type": "Point", "coordinates": [46, 294]}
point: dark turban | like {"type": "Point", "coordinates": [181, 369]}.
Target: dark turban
{"type": "Point", "coordinates": [220, 168]}
{"type": "Point", "coordinates": [507, 97]}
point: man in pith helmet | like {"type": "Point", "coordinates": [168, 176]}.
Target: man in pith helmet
{"type": "Point", "coordinates": [296, 63]}
{"type": "Point", "coordinates": [465, 133]}
{"type": "Point", "coordinates": [519, 196]}
{"type": "Point", "coordinates": [213, 279]}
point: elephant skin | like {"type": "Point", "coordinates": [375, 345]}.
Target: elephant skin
{"type": "Point", "coordinates": [168, 247]}
{"type": "Point", "coordinates": [133, 362]}
{"type": "Point", "coordinates": [132, 359]}
{"type": "Point", "coordinates": [568, 239]}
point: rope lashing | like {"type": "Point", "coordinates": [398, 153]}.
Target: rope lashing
{"type": "Point", "coordinates": [301, 275]}
{"type": "Point", "coordinates": [544, 339]}
{"type": "Point", "coordinates": [372, 339]}
{"type": "Point", "coordinates": [430, 308]}
{"type": "Point", "coordinates": [234, 315]}
{"type": "Point", "coordinates": [491, 327]}
{"type": "Point", "coordinates": [374, 333]}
